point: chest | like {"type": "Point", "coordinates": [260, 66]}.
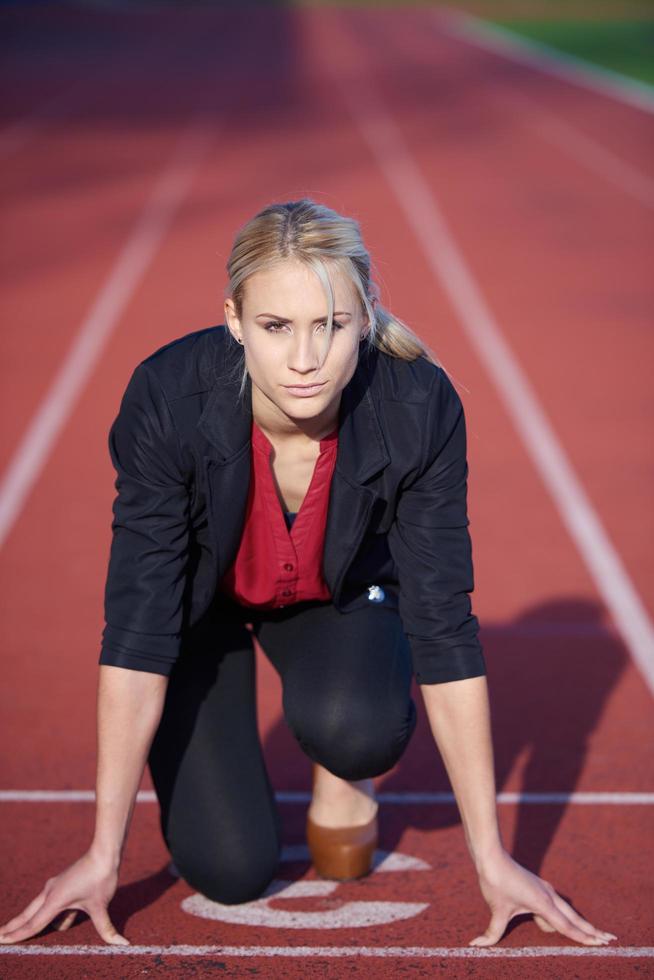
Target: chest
{"type": "Point", "coordinates": [292, 472]}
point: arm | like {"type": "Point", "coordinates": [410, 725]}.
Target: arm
{"type": "Point", "coordinates": [432, 549]}
{"type": "Point", "coordinates": [143, 610]}
{"type": "Point", "coordinates": [459, 718]}
{"type": "Point", "coordinates": [431, 546]}
{"type": "Point", "coordinates": [146, 577]}
{"type": "Point", "coordinates": [144, 591]}
{"type": "Point", "coordinates": [130, 703]}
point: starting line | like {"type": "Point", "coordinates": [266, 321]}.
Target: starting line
{"type": "Point", "coordinates": [423, 952]}
{"type": "Point", "coordinates": [398, 799]}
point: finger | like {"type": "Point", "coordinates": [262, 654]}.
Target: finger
{"type": "Point", "coordinates": [67, 921]}
{"type": "Point", "coordinates": [494, 932]}
{"type": "Point", "coordinates": [106, 928]}
{"type": "Point", "coordinates": [35, 924]}
{"type": "Point", "coordinates": [579, 920]}
{"type": "Point", "coordinates": [542, 924]}
{"type": "Point", "coordinates": [23, 916]}
{"type": "Point", "coordinates": [567, 928]}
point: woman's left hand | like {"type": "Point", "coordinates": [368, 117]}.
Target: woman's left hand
{"type": "Point", "coordinates": [512, 890]}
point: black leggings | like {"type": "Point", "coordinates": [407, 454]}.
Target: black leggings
{"type": "Point", "coordinates": [346, 681]}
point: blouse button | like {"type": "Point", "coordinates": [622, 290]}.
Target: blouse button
{"type": "Point", "coordinates": [288, 567]}
{"type": "Point", "coordinates": [287, 592]}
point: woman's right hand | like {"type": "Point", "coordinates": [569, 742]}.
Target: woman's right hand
{"type": "Point", "coordinates": [88, 885]}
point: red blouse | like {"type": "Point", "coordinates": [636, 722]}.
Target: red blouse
{"type": "Point", "coordinates": [275, 566]}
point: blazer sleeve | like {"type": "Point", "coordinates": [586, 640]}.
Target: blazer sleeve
{"type": "Point", "coordinates": [146, 577]}
{"type": "Point", "coordinates": [431, 546]}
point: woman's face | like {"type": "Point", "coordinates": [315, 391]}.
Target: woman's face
{"type": "Point", "coordinates": [283, 326]}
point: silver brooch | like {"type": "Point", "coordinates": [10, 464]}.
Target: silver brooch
{"type": "Point", "coordinates": [376, 593]}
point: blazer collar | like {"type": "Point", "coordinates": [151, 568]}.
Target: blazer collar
{"type": "Point", "coordinates": [226, 420]}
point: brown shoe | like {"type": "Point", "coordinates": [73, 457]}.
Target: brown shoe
{"type": "Point", "coordinates": [342, 853]}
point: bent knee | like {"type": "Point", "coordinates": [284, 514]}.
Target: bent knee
{"type": "Point", "coordinates": [229, 882]}
{"type": "Point", "coordinates": [356, 744]}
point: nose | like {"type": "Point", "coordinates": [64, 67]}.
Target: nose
{"type": "Point", "coordinates": [303, 353]}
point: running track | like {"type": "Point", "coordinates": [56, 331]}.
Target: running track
{"type": "Point", "coordinates": [510, 214]}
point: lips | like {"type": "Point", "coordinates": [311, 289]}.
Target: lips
{"type": "Point", "coordinates": [304, 391]}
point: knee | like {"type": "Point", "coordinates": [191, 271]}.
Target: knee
{"type": "Point", "coordinates": [225, 878]}
{"type": "Point", "coordinates": [355, 739]}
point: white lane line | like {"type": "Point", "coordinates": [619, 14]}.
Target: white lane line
{"type": "Point", "coordinates": [388, 952]}
{"type": "Point", "coordinates": [580, 798]}
{"type": "Point", "coordinates": [401, 799]}
{"type": "Point", "coordinates": [597, 158]}
{"type": "Point", "coordinates": [104, 315]}
{"type": "Point", "coordinates": [535, 54]}
{"type": "Point", "coordinates": [586, 151]}
{"type": "Point", "coordinates": [424, 215]}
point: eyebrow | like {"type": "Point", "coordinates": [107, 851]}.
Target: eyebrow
{"type": "Point", "coordinates": [283, 319]}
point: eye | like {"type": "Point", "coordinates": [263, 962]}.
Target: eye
{"type": "Point", "coordinates": [275, 326]}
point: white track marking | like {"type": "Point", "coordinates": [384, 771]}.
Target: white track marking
{"type": "Point", "coordinates": [349, 914]}
{"type": "Point", "coordinates": [583, 799]}
{"type": "Point", "coordinates": [387, 952]}
{"type": "Point", "coordinates": [534, 54]}
{"type": "Point", "coordinates": [400, 799]}
{"type": "Point", "coordinates": [597, 158]}
{"type": "Point", "coordinates": [416, 199]}
{"type": "Point", "coordinates": [588, 152]}
{"type": "Point", "coordinates": [126, 274]}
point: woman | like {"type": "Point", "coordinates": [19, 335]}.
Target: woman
{"type": "Point", "coordinates": [299, 475]}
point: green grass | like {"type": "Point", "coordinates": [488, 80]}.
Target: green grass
{"type": "Point", "coordinates": [625, 46]}
{"type": "Point", "coordinates": [615, 34]}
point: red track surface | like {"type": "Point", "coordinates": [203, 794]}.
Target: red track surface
{"type": "Point", "coordinates": [558, 251]}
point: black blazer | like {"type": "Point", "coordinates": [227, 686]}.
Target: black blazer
{"type": "Point", "coordinates": [397, 517]}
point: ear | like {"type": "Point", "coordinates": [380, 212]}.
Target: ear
{"type": "Point", "coordinates": [232, 321]}
{"type": "Point", "coordinates": [365, 330]}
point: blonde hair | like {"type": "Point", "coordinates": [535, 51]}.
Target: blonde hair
{"type": "Point", "coordinates": [315, 234]}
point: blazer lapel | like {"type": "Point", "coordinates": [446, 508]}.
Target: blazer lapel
{"type": "Point", "coordinates": [226, 423]}
{"type": "Point", "coordinates": [361, 455]}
